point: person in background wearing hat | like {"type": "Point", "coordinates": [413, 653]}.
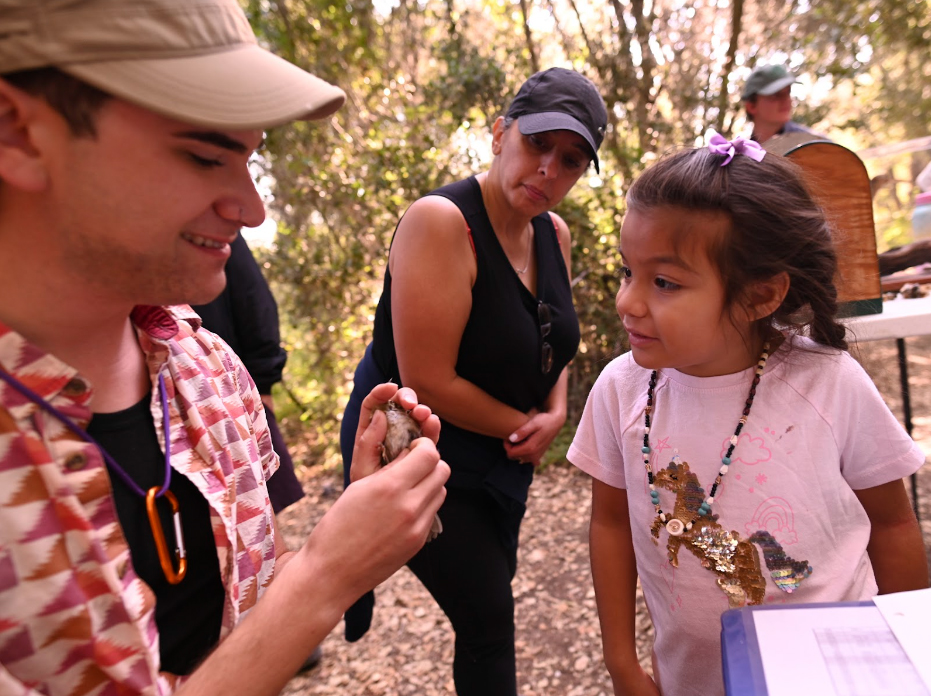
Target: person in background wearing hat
{"type": "Point", "coordinates": [245, 315]}
{"type": "Point", "coordinates": [135, 526]}
{"type": "Point", "coordinates": [477, 316]}
{"type": "Point", "coordinates": [767, 96]}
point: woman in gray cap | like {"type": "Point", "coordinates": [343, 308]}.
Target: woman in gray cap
{"type": "Point", "coordinates": [477, 316]}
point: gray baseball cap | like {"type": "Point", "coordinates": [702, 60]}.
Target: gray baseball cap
{"type": "Point", "coordinates": [561, 99]}
{"type": "Point", "coordinates": [766, 80]}
{"type": "Point", "coordinates": [194, 60]}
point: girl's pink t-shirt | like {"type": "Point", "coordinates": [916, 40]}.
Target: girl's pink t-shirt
{"type": "Point", "coordinates": [818, 430]}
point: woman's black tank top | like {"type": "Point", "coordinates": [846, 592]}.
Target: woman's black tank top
{"type": "Point", "coordinates": [501, 350]}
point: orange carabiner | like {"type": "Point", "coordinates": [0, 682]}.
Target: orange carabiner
{"type": "Point", "coordinates": [155, 522]}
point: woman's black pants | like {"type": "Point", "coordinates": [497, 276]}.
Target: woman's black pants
{"type": "Point", "coordinates": [468, 569]}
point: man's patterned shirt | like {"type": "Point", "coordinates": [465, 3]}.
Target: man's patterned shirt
{"type": "Point", "coordinates": [75, 619]}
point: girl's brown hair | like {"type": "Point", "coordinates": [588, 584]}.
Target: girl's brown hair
{"type": "Point", "coordinates": [775, 226]}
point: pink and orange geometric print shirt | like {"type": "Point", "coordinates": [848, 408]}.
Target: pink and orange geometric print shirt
{"type": "Point", "coordinates": [75, 619]}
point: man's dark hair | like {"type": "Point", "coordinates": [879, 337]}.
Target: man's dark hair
{"type": "Point", "coordinates": [77, 101]}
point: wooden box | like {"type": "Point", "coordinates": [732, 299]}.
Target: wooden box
{"type": "Point", "coordinates": [839, 181]}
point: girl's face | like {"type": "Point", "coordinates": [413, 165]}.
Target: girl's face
{"type": "Point", "coordinates": [671, 299]}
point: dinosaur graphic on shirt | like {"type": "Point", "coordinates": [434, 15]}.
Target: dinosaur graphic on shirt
{"type": "Point", "coordinates": [734, 560]}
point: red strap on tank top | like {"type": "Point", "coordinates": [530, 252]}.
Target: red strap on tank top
{"type": "Point", "coordinates": [556, 230]}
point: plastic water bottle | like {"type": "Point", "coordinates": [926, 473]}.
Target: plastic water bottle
{"type": "Point", "coordinates": [921, 216]}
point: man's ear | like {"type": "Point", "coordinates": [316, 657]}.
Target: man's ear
{"type": "Point", "coordinates": [764, 297]}
{"type": "Point", "coordinates": [21, 165]}
{"type": "Point", "coordinates": [750, 106]}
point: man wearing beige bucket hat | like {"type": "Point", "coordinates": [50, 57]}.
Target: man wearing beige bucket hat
{"type": "Point", "coordinates": [135, 527]}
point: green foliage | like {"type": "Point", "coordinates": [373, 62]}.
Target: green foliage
{"type": "Point", "coordinates": [898, 231]}
{"type": "Point", "coordinates": [424, 82]}
{"type": "Point", "coordinates": [556, 454]}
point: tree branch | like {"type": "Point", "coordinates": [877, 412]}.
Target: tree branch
{"type": "Point", "coordinates": [723, 98]}
{"type": "Point", "coordinates": [528, 37]}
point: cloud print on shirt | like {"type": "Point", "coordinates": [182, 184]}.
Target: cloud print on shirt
{"type": "Point", "coordinates": [749, 450]}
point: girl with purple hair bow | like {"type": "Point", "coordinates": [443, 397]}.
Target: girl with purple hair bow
{"type": "Point", "coordinates": [739, 455]}
{"type": "Point", "coordinates": [720, 145]}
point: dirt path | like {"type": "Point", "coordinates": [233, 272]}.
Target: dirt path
{"type": "Point", "coordinates": [409, 648]}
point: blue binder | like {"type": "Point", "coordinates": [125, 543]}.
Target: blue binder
{"type": "Point", "coordinates": [740, 649]}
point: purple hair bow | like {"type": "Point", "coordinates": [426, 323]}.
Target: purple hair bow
{"type": "Point", "coordinates": [719, 145]}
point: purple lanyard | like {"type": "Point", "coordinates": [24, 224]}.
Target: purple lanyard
{"type": "Point", "coordinates": [81, 433]}
{"type": "Point", "coordinates": [172, 574]}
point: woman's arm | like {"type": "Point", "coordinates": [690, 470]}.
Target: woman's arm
{"type": "Point", "coordinates": [896, 548]}
{"type": "Point", "coordinates": [433, 270]}
{"type": "Point", "coordinates": [614, 573]}
{"type": "Point", "coordinates": [530, 441]}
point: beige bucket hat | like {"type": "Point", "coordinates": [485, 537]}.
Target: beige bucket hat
{"type": "Point", "coordinates": [194, 60]}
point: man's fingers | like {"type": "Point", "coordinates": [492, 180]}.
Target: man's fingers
{"type": "Point", "coordinates": [368, 441]}
{"type": "Point", "coordinates": [367, 453]}
{"type": "Point", "coordinates": [429, 422]}
{"type": "Point", "coordinates": [437, 478]}
{"type": "Point", "coordinates": [433, 492]}
{"type": "Point", "coordinates": [431, 427]}
{"type": "Point", "coordinates": [417, 463]}
{"type": "Point", "coordinates": [407, 397]}
{"type": "Point", "coordinates": [381, 394]}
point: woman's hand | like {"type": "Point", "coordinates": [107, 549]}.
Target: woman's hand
{"type": "Point", "coordinates": [531, 440]}
{"type": "Point", "coordinates": [367, 451]}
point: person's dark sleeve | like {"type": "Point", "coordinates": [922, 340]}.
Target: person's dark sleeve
{"type": "Point", "coordinates": [246, 317]}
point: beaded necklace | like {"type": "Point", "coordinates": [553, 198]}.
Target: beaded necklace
{"type": "Point", "coordinates": [675, 526]}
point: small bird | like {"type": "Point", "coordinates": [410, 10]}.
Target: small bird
{"type": "Point", "coordinates": [402, 430]}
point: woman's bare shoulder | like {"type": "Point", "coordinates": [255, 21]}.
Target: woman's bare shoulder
{"type": "Point", "coordinates": [433, 221]}
{"type": "Point", "coordinates": [433, 210]}
{"type": "Point", "coordinates": [433, 234]}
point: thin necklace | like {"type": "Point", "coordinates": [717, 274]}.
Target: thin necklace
{"type": "Point", "coordinates": [523, 270]}
{"type": "Point", "coordinates": [675, 526]}
{"type": "Point", "coordinates": [173, 576]}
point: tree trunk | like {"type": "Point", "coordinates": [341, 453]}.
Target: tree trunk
{"type": "Point", "coordinates": [528, 37]}
{"type": "Point", "coordinates": [736, 19]}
